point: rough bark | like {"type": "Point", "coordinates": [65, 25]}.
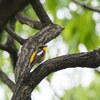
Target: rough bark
{"type": "Point", "coordinates": [26, 81]}
{"type": "Point", "coordinates": [83, 60]}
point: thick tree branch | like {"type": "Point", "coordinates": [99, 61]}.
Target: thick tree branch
{"type": "Point", "coordinates": [28, 21]}
{"type": "Point", "coordinates": [7, 81]}
{"type": "Point", "coordinates": [26, 81]}
{"type": "Point", "coordinates": [22, 69]}
{"type": "Point", "coordinates": [86, 6]}
{"type": "Point", "coordinates": [88, 59]}
{"type": "Point", "coordinates": [14, 35]}
{"type": "Point", "coordinates": [41, 13]}
{"type": "Point", "coordinates": [9, 9]}
{"type": "Point", "coordinates": [44, 36]}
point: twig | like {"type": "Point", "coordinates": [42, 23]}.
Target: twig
{"type": "Point", "coordinates": [7, 81]}
{"type": "Point", "coordinates": [14, 35]}
{"type": "Point", "coordinates": [28, 21]}
{"type": "Point", "coordinates": [41, 13]}
{"type": "Point", "coordinates": [86, 6]}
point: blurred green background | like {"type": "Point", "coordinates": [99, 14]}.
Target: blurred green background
{"type": "Point", "coordinates": [81, 34]}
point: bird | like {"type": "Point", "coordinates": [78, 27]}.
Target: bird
{"type": "Point", "coordinates": [39, 55]}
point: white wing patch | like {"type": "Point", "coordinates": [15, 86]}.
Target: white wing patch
{"type": "Point", "coordinates": [39, 53]}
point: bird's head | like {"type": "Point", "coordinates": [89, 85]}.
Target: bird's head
{"type": "Point", "coordinates": [44, 47]}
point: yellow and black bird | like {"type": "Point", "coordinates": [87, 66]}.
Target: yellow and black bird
{"type": "Point", "coordinates": [39, 55]}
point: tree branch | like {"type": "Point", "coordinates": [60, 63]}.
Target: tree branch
{"type": "Point", "coordinates": [86, 6]}
{"type": "Point", "coordinates": [87, 59]}
{"type": "Point", "coordinates": [3, 47]}
{"type": "Point", "coordinates": [28, 21]}
{"type": "Point", "coordinates": [7, 81]}
{"type": "Point", "coordinates": [41, 13]}
{"type": "Point", "coordinates": [12, 50]}
{"type": "Point", "coordinates": [44, 36]}
{"type": "Point", "coordinates": [9, 10]}
{"type": "Point", "coordinates": [14, 35]}
{"type": "Point", "coordinates": [22, 69]}
{"type": "Point", "coordinates": [10, 46]}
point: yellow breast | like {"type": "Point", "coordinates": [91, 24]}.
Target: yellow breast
{"type": "Point", "coordinates": [33, 57]}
